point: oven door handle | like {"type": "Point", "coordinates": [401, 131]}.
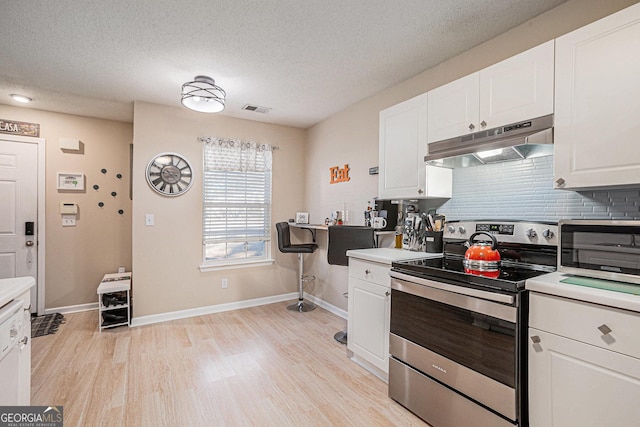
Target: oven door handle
{"type": "Point", "coordinates": [479, 301]}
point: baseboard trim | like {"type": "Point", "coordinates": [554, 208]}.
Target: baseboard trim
{"type": "Point", "coordinates": [211, 309]}
{"type": "Point", "coordinates": [72, 308]}
{"type": "Point", "coordinates": [329, 307]}
{"type": "Point", "coordinates": [192, 312]}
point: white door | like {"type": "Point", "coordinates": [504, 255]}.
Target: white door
{"type": "Point", "coordinates": [597, 101]}
{"type": "Point", "coordinates": [402, 149]}
{"type": "Point", "coordinates": [573, 384]}
{"type": "Point", "coordinates": [19, 206]}
{"type": "Point", "coordinates": [368, 326]}
{"type": "Point", "coordinates": [453, 109]}
{"type": "Point", "coordinates": [518, 88]}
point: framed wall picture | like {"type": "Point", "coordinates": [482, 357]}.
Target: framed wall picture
{"type": "Point", "coordinates": [70, 181]}
{"type": "Point", "coordinates": [302, 217]}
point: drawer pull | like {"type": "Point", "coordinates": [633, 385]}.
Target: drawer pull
{"type": "Point", "coordinates": [367, 271]}
{"type": "Point", "coordinates": [604, 329]}
{"type": "Point", "coordinates": [535, 339]}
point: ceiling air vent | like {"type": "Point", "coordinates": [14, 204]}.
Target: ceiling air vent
{"type": "Point", "coordinates": [256, 108]}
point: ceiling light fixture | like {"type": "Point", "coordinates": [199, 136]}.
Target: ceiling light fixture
{"type": "Point", "coordinates": [203, 95]}
{"type": "Point", "coordinates": [20, 98]}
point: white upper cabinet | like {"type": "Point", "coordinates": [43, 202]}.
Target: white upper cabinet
{"type": "Point", "coordinates": [597, 103]}
{"type": "Point", "coordinates": [516, 89]}
{"type": "Point", "coordinates": [454, 108]}
{"type": "Point", "coordinates": [403, 145]}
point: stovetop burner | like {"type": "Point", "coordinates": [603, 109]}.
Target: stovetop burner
{"type": "Point", "coordinates": [525, 253]}
{"type": "Point", "coordinates": [450, 269]}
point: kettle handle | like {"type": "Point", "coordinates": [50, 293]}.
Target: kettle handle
{"type": "Point", "coordinates": [494, 242]}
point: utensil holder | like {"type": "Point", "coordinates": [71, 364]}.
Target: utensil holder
{"type": "Point", "coordinates": [433, 241]}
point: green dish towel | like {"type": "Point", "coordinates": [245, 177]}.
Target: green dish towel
{"type": "Point", "coordinates": [608, 285]}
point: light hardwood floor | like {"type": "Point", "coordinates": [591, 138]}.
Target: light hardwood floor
{"type": "Point", "coordinates": [261, 366]}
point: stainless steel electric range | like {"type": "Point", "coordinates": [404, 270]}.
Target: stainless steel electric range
{"type": "Point", "coordinates": [457, 342]}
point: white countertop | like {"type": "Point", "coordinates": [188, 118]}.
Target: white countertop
{"type": "Point", "coordinates": [550, 284]}
{"type": "Point", "coordinates": [11, 288]}
{"type": "Point", "coordinates": [389, 255]}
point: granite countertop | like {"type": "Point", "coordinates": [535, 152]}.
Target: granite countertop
{"type": "Point", "coordinates": [551, 284]}
{"type": "Point", "coordinates": [11, 288]}
{"type": "Point", "coordinates": [389, 255]}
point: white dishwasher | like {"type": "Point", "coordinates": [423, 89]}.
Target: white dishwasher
{"type": "Point", "coordinates": [11, 341]}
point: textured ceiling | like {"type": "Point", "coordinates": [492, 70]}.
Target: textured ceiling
{"type": "Point", "coordinates": [304, 59]}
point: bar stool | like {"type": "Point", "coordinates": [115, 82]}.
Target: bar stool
{"type": "Point", "coordinates": [285, 246]}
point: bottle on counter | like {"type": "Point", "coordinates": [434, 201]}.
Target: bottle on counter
{"type": "Point", "coordinates": [398, 242]}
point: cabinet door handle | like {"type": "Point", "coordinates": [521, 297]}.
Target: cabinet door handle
{"type": "Point", "coordinates": [471, 126]}
{"type": "Point", "coordinates": [560, 181]}
{"type": "Point", "coordinates": [420, 191]}
{"type": "Point", "coordinates": [483, 124]}
{"type": "Point", "coordinates": [604, 329]}
{"type": "Point", "coordinates": [387, 293]}
{"type": "Point", "coordinates": [367, 272]}
{"type": "Point", "coordinates": [535, 339]}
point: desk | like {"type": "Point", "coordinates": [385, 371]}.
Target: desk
{"type": "Point", "coordinates": [314, 227]}
{"type": "Point", "coordinates": [311, 227]}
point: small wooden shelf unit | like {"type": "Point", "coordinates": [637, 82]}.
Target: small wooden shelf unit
{"type": "Point", "coordinates": [114, 300]}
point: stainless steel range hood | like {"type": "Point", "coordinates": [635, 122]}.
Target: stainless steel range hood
{"type": "Point", "coordinates": [523, 140]}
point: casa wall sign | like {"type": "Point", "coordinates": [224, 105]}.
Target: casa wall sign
{"type": "Point", "coordinates": [19, 128]}
{"type": "Point", "coordinates": [339, 175]}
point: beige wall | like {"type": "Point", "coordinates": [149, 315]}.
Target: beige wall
{"type": "Point", "coordinates": [77, 257]}
{"type": "Point", "coordinates": [351, 136]}
{"type": "Point", "coordinates": [166, 256]}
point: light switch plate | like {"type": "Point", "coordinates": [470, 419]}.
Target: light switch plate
{"type": "Point", "coordinates": [149, 219]}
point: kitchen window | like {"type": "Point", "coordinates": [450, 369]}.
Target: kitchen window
{"type": "Point", "coordinates": [236, 220]}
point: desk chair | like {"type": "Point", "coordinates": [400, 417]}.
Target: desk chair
{"type": "Point", "coordinates": [342, 238]}
{"type": "Point", "coordinates": [285, 246]}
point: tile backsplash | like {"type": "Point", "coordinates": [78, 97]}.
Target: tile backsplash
{"type": "Point", "coordinates": [523, 190]}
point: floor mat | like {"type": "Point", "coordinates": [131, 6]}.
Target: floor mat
{"type": "Point", "coordinates": [45, 325]}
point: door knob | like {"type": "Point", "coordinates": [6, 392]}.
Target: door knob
{"type": "Point", "coordinates": [29, 243]}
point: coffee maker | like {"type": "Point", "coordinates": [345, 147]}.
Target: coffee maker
{"type": "Point", "coordinates": [389, 211]}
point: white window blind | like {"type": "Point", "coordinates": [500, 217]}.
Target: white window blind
{"type": "Point", "coordinates": [236, 201]}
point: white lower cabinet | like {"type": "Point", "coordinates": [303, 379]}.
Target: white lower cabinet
{"type": "Point", "coordinates": [584, 366]}
{"type": "Point", "coordinates": [24, 366]}
{"type": "Point", "coordinates": [369, 310]}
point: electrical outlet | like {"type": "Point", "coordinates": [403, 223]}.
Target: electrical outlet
{"type": "Point", "coordinates": [68, 220]}
{"type": "Point", "coordinates": [225, 283]}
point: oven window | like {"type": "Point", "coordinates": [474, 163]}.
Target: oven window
{"type": "Point", "coordinates": [482, 343]}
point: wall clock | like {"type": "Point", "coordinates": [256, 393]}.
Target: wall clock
{"type": "Point", "coordinates": [169, 174]}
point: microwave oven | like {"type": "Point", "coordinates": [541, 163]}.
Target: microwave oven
{"type": "Point", "coordinates": [604, 249]}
